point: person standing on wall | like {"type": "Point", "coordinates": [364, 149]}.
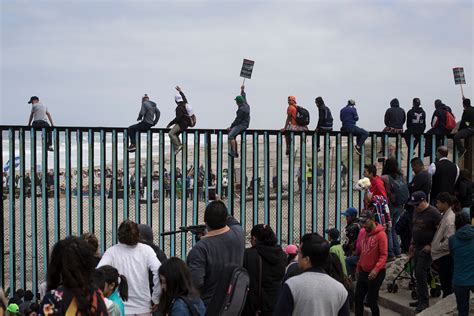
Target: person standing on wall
{"type": "Point", "coordinates": [241, 122]}
{"type": "Point", "coordinates": [148, 117]}
{"type": "Point", "coordinates": [181, 122]}
{"type": "Point", "coordinates": [40, 116]}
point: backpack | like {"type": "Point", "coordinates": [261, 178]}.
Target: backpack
{"type": "Point", "coordinates": [231, 292]}
{"type": "Point", "coordinates": [450, 120]}
{"type": "Point", "coordinates": [381, 211]}
{"type": "Point", "coordinates": [191, 116]}
{"type": "Point", "coordinates": [302, 116]}
{"type": "Point", "coordinates": [399, 193]}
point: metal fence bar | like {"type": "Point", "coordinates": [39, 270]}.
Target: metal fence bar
{"type": "Point", "coordinates": [279, 172]}
{"type": "Point", "coordinates": [126, 177]}
{"type": "Point", "coordinates": [79, 203]}
{"type": "Point", "coordinates": [57, 192]}
{"type": "Point", "coordinates": [196, 179]}
{"type": "Point", "coordinates": [149, 175]}
{"type": "Point", "coordinates": [314, 185]}
{"type": "Point", "coordinates": [172, 200]}
{"type": "Point", "coordinates": [337, 219]}
{"type": "Point", "coordinates": [103, 210]}
{"type": "Point", "coordinates": [34, 183]}
{"type": "Point", "coordinates": [409, 176]}
{"type": "Point", "coordinates": [137, 176]}
{"type": "Point", "coordinates": [161, 205]}
{"type": "Point", "coordinates": [22, 197]}
{"type": "Point", "coordinates": [184, 192]}
{"type": "Point", "coordinates": [243, 180]}
{"type": "Point", "coordinates": [114, 187]}
{"type": "Point", "coordinates": [91, 180]}
{"type": "Point", "coordinates": [219, 164]}
{"type": "Point", "coordinates": [303, 184]}
{"type": "Point", "coordinates": [67, 144]}
{"type": "Point", "coordinates": [361, 174]}
{"type": "Point", "coordinates": [207, 167]}
{"type": "Point", "coordinates": [44, 200]}
{"type": "Point", "coordinates": [267, 179]}
{"type": "Point", "coordinates": [12, 209]}
{"type": "Point", "coordinates": [327, 153]}
{"type": "Point", "coordinates": [350, 175]}
{"type": "Point", "coordinates": [255, 180]}
{"type": "Point", "coordinates": [2, 213]}
{"type": "Point", "coordinates": [291, 198]}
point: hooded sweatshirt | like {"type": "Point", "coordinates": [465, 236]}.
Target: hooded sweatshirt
{"type": "Point", "coordinates": [461, 246]}
{"type": "Point", "coordinates": [273, 270]}
{"type": "Point", "coordinates": [467, 119]}
{"type": "Point", "coordinates": [440, 114]}
{"type": "Point", "coordinates": [349, 116]}
{"type": "Point", "coordinates": [395, 116]}
{"type": "Point", "coordinates": [149, 113]}
{"type": "Point", "coordinates": [242, 114]}
{"type": "Point", "coordinates": [416, 120]}
{"type": "Point", "coordinates": [374, 250]}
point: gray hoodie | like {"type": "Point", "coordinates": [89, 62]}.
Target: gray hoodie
{"type": "Point", "coordinates": [149, 113]}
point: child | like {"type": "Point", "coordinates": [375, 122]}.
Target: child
{"type": "Point", "coordinates": [114, 290]}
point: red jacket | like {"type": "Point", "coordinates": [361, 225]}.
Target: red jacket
{"type": "Point", "coordinates": [374, 251]}
{"type": "Point", "coordinates": [377, 187]}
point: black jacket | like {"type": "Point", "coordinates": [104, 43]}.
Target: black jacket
{"type": "Point", "coordinates": [395, 116]}
{"type": "Point", "coordinates": [273, 270]}
{"type": "Point", "coordinates": [182, 118]}
{"type": "Point", "coordinates": [325, 118]}
{"type": "Point", "coordinates": [467, 119]}
{"type": "Point", "coordinates": [416, 120]}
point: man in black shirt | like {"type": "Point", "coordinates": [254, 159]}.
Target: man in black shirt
{"type": "Point", "coordinates": [422, 179]}
{"type": "Point", "coordinates": [444, 174]}
{"type": "Point", "coordinates": [425, 221]}
{"type": "Point", "coordinates": [466, 127]}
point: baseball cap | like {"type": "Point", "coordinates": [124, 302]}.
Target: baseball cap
{"type": "Point", "coordinates": [239, 99]}
{"type": "Point", "coordinates": [350, 211]}
{"type": "Point", "coordinates": [291, 250]}
{"type": "Point", "coordinates": [33, 98]}
{"type": "Point", "coordinates": [333, 233]}
{"type": "Point", "coordinates": [13, 308]}
{"type": "Point", "coordinates": [417, 197]}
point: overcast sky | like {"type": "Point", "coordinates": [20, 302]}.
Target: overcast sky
{"type": "Point", "coordinates": [91, 61]}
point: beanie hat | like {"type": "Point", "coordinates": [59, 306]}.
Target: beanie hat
{"type": "Point", "coordinates": [292, 98]}
{"type": "Point", "coordinates": [239, 99]}
{"type": "Point", "coordinates": [291, 250]}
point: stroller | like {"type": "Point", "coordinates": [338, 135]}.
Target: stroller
{"type": "Point", "coordinates": [407, 273]}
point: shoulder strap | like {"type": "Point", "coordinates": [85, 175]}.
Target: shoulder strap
{"type": "Point", "coordinates": [191, 308]}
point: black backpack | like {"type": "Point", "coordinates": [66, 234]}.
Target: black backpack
{"type": "Point", "coordinates": [231, 292]}
{"type": "Point", "coordinates": [302, 116]}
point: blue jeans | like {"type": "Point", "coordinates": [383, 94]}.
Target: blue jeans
{"type": "Point", "coordinates": [360, 133]}
{"type": "Point", "coordinates": [462, 298]}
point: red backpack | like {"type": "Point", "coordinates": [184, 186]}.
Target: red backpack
{"type": "Point", "coordinates": [450, 120]}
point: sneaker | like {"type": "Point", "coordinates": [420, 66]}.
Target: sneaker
{"type": "Point", "coordinates": [132, 148]}
{"type": "Point", "coordinates": [461, 153]}
{"type": "Point", "coordinates": [178, 150]}
{"type": "Point", "coordinates": [421, 308]}
{"type": "Point", "coordinates": [50, 148]}
{"type": "Point", "coordinates": [357, 149]}
{"type": "Point", "coordinates": [413, 304]}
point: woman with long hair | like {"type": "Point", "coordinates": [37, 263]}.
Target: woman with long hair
{"type": "Point", "coordinates": [178, 297]}
{"type": "Point", "coordinates": [69, 281]}
{"type": "Point", "coordinates": [265, 262]}
{"type": "Point", "coordinates": [114, 286]}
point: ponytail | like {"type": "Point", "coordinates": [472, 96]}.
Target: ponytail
{"type": "Point", "coordinates": [123, 287]}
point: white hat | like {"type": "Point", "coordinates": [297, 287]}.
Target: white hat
{"type": "Point", "coordinates": [178, 98]}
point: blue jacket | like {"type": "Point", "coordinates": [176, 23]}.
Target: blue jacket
{"type": "Point", "coordinates": [180, 308]}
{"type": "Point", "coordinates": [461, 246]}
{"type": "Point", "coordinates": [349, 116]}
